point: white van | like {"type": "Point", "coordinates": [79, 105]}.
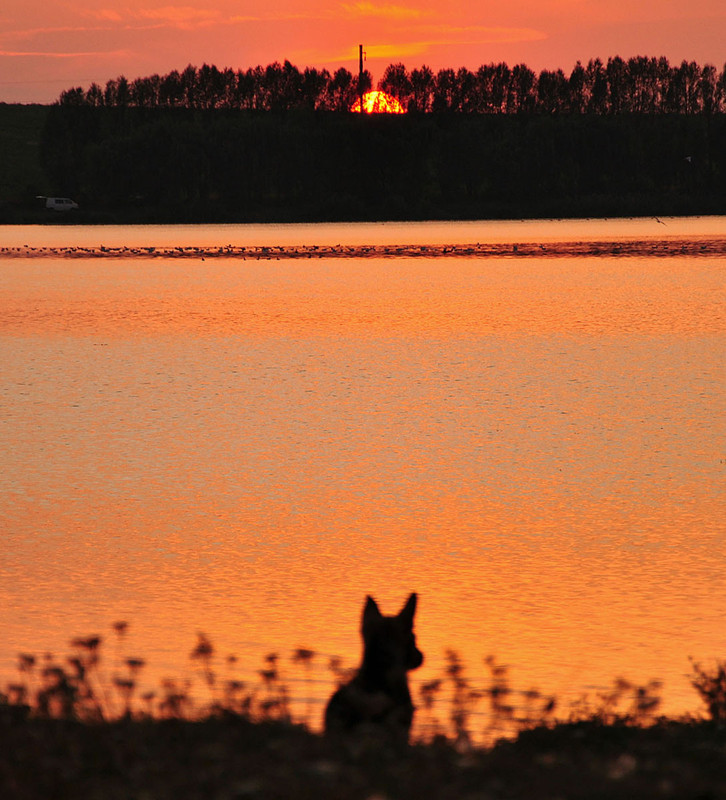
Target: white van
{"type": "Point", "coordinates": [60, 203]}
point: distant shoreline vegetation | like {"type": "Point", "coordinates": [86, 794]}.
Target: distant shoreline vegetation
{"type": "Point", "coordinates": [280, 144]}
{"type": "Point", "coordinates": [640, 85]}
{"type": "Point", "coordinates": [170, 165]}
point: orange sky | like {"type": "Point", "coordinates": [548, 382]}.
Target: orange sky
{"type": "Point", "coordinates": [50, 45]}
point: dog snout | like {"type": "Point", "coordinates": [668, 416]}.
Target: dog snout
{"type": "Point", "coordinates": [415, 658]}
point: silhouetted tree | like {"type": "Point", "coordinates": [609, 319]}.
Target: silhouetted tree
{"type": "Point", "coordinates": [73, 97]}
{"type": "Point", "coordinates": [687, 87]}
{"type": "Point", "coordinates": [466, 94]}
{"type": "Point", "coordinates": [578, 90]}
{"type": "Point", "coordinates": [144, 92]}
{"type": "Point", "coordinates": [397, 83]}
{"type": "Point", "coordinates": [522, 97]}
{"type": "Point", "coordinates": [721, 90]}
{"type": "Point", "coordinates": [553, 92]}
{"type": "Point", "coordinates": [493, 82]}
{"type": "Point", "coordinates": [115, 93]}
{"type": "Point", "coordinates": [171, 92]}
{"type": "Point", "coordinates": [444, 91]}
{"type": "Point", "coordinates": [616, 73]}
{"type": "Point", "coordinates": [123, 93]}
{"type": "Point", "coordinates": [94, 96]}
{"type": "Point", "coordinates": [362, 83]}
{"type": "Point", "coordinates": [188, 87]}
{"type": "Point", "coordinates": [597, 84]}
{"type": "Point", "coordinates": [342, 91]}
{"type": "Point", "coordinates": [313, 88]}
{"type": "Point", "coordinates": [422, 90]}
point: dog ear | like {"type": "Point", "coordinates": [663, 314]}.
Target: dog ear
{"type": "Point", "coordinates": [371, 613]}
{"type": "Point", "coordinates": [407, 612]}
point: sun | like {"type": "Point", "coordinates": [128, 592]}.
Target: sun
{"type": "Point", "coordinates": [378, 102]}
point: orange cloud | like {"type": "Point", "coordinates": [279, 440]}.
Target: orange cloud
{"type": "Point", "coordinates": [446, 36]}
{"type": "Point", "coordinates": [181, 16]}
{"type": "Point", "coordinates": [105, 14]}
{"type": "Point", "coordinates": [363, 8]}
{"type": "Point", "coordinates": [394, 52]}
{"type": "Point", "coordinates": [87, 54]}
{"type": "Point", "coordinates": [480, 34]}
{"type": "Point", "coordinates": [29, 33]}
{"type": "Point", "coordinates": [273, 17]}
{"type": "Point", "coordinates": [178, 16]}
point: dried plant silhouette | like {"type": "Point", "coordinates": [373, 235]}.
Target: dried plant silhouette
{"type": "Point", "coordinates": [81, 687]}
{"type": "Point", "coordinates": [711, 687]}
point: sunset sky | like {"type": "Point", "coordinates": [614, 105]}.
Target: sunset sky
{"type": "Point", "coordinates": [50, 45]}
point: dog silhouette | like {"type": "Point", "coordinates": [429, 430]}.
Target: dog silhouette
{"type": "Point", "coordinates": [378, 697]}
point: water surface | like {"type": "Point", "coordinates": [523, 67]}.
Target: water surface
{"type": "Point", "coordinates": [249, 447]}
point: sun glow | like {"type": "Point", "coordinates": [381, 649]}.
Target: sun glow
{"type": "Point", "coordinates": [377, 102]}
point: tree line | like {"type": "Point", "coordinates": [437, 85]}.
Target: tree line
{"type": "Point", "coordinates": [639, 85]}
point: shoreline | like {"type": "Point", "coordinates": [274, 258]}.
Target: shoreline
{"type": "Point", "coordinates": [655, 247]}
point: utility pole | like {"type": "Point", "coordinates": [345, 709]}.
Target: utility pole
{"type": "Point", "coordinates": [360, 77]}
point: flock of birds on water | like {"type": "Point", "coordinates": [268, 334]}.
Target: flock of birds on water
{"type": "Point", "coordinates": [665, 247]}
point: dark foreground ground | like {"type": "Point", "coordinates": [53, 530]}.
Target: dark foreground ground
{"type": "Point", "coordinates": [222, 759]}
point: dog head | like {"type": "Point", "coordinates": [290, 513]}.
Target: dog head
{"type": "Point", "coordinates": [390, 641]}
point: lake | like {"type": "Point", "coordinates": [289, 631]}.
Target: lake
{"type": "Point", "coordinates": [248, 446]}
